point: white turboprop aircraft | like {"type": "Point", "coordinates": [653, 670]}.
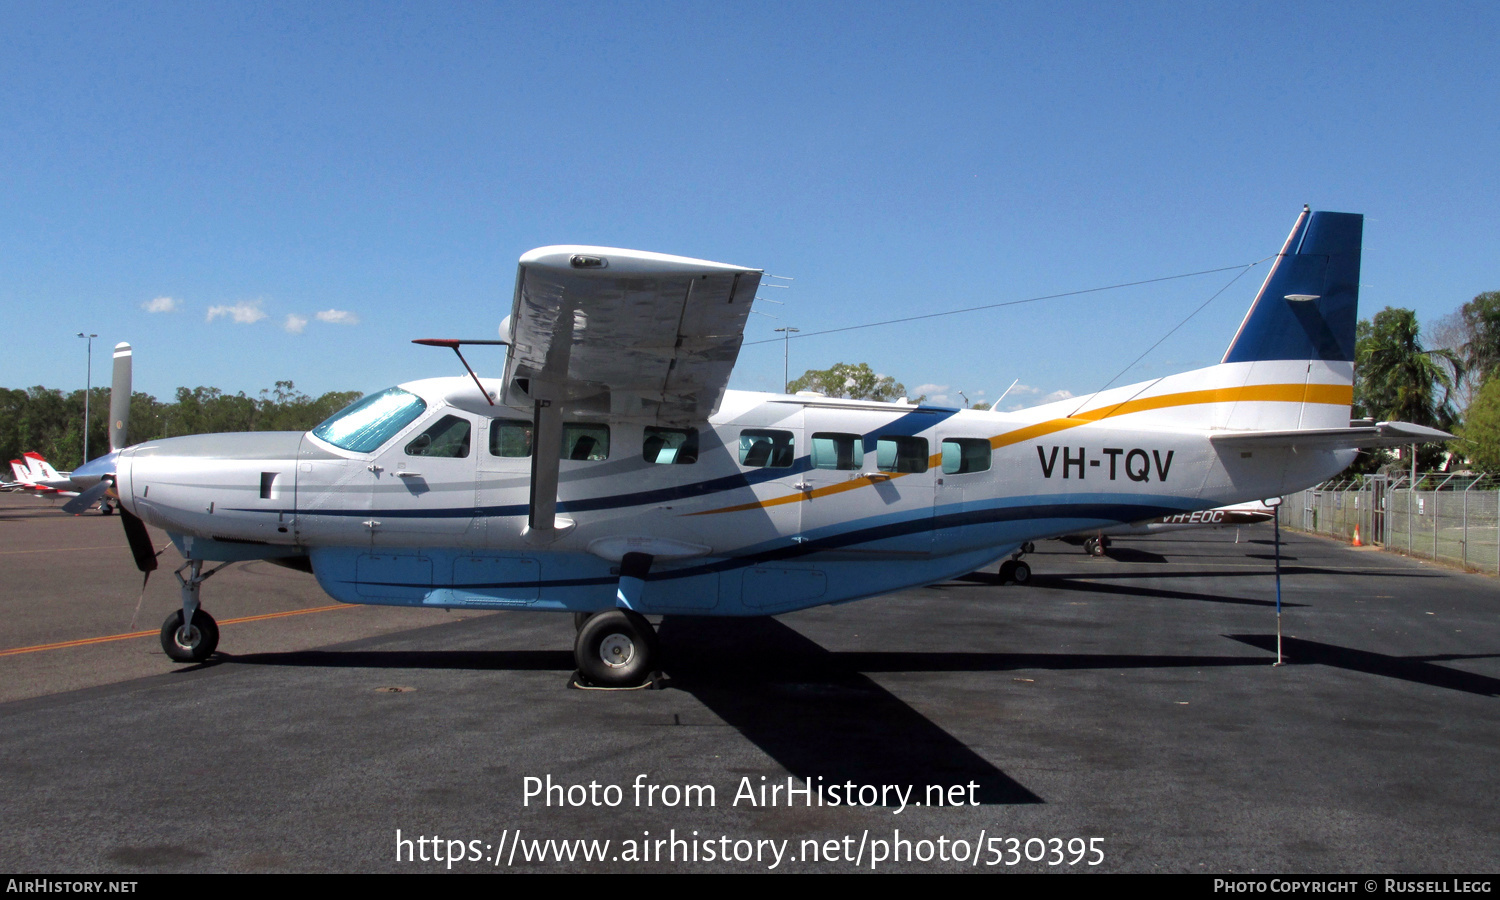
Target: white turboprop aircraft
{"type": "Point", "coordinates": [610, 474]}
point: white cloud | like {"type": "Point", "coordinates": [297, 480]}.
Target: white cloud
{"type": "Point", "coordinates": [338, 317]}
{"type": "Point", "coordinates": [935, 393]}
{"type": "Point", "coordinates": [1023, 390]}
{"type": "Point", "coordinates": [160, 304]}
{"type": "Point", "coordinates": [294, 323]}
{"type": "Point", "coordinates": [245, 312]}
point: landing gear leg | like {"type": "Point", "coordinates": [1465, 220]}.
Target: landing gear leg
{"type": "Point", "coordinates": [190, 634]}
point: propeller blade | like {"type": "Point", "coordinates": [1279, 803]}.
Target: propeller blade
{"type": "Point", "coordinates": [88, 498]}
{"type": "Point", "coordinates": [119, 399]}
{"type": "Point", "coordinates": [140, 541]}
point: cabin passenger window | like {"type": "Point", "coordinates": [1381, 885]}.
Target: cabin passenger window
{"type": "Point", "coordinates": [964, 455]}
{"type": "Point", "coordinates": [761, 448]}
{"type": "Point", "coordinates": [837, 451]}
{"type": "Point", "coordinates": [510, 437]}
{"type": "Point", "coordinates": [448, 438]}
{"type": "Point", "coordinates": [901, 454]}
{"type": "Point", "coordinates": [581, 441]}
{"type": "Point", "coordinates": [669, 446]}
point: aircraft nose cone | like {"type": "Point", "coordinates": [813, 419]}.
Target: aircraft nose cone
{"type": "Point", "coordinates": [88, 474]}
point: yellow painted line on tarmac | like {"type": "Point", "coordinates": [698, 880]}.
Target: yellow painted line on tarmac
{"type": "Point", "coordinates": [59, 549]}
{"type": "Point", "coordinates": [135, 634]}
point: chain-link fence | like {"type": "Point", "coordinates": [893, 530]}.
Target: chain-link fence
{"type": "Point", "coordinates": [1452, 519]}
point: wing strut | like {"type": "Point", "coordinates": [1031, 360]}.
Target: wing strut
{"type": "Point", "coordinates": [454, 345]}
{"type": "Point", "coordinates": [542, 524]}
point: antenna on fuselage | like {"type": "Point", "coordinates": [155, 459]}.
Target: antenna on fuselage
{"type": "Point", "coordinates": [453, 345]}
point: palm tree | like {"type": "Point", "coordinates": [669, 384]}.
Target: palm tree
{"type": "Point", "coordinates": [1400, 381]}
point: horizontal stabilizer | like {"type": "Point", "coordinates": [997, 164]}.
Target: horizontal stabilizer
{"type": "Point", "coordinates": [1382, 434]}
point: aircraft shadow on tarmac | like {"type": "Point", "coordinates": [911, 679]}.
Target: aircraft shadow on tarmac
{"type": "Point", "coordinates": [1083, 584]}
{"type": "Point", "coordinates": [808, 708]}
{"type": "Point", "coordinates": [1066, 583]}
{"type": "Point", "coordinates": [816, 712]}
{"type": "Point", "coordinates": [1416, 669]}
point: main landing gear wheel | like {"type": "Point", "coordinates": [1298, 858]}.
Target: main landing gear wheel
{"type": "Point", "coordinates": [616, 648]}
{"type": "Point", "coordinates": [1014, 571]}
{"type": "Point", "coordinates": [193, 644]}
{"type": "Point", "coordinates": [1095, 546]}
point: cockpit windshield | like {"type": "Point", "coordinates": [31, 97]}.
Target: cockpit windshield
{"type": "Point", "coordinates": [371, 421]}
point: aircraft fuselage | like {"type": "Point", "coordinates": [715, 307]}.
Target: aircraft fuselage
{"type": "Point", "coordinates": [780, 503]}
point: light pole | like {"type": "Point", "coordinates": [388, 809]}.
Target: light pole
{"type": "Point", "coordinates": [786, 349]}
{"type": "Point", "coordinates": [88, 387]}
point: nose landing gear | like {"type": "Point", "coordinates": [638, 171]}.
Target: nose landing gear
{"type": "Point", "coordinates": [190, 634]}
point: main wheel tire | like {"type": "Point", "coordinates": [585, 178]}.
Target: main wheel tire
{"type": "Point", "coordinates": [616, 648]}
{"type": "Point", "coordinates": [1090, 545]}
{"type": "Point", "coordinates": [579, 618]}
{"type": "Point", "coordinates": [1021, 573]}
{"type": "Point", "coordinates": [197, 644]}
{"type": "Point", "coordinates": [1007, 572]}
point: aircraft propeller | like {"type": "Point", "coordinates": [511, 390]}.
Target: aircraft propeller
{"type": "Point", "coordinates": [119, 418]}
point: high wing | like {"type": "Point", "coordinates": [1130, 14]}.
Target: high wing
{"type": "Point", "coordinates": [1381, 434]}
{"type": "Point", "coordinates": [621, 333]}
{"type": "Point", "coordinates": [639, 335]}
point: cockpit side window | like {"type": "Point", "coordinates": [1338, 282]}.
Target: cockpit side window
{"type": "Point", "coordinates": [447, 438]}
{"type": "Point", "coordinates": [371, 421]}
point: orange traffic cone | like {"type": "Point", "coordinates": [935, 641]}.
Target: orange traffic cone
{"type": "Point", "coordinates": [1356, 537]}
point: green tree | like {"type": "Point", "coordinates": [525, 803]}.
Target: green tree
{"type": "Point", "coordinates": [851, 381]}
{"type": "Point", "coordinates": [1481, 327]}
{"type": "Point", "coordinates": [1398, 380]}
{"type": "Point", "coordinates": [1479, 436]}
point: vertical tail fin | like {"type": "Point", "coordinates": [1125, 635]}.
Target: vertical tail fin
{"type": "Point", "coordinates": [1290, 365]}
{"type": "Point", "coordinates": [1309, 303]}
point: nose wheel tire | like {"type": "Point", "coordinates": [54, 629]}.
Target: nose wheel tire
{"type": "Point", "coordinates": [193, 644]}
{"type": "Point", "coordinates": [616, 648]}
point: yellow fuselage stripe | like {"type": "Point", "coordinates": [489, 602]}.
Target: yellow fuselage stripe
{"type": "Point", "coordinates": [1333, 394]}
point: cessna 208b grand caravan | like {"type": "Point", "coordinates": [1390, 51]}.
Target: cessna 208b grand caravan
{"type": "Point", "coordinates": [609, 473]}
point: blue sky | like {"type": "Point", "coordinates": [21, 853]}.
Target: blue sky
{"type": "Point", "coordinates": [386, 164]}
